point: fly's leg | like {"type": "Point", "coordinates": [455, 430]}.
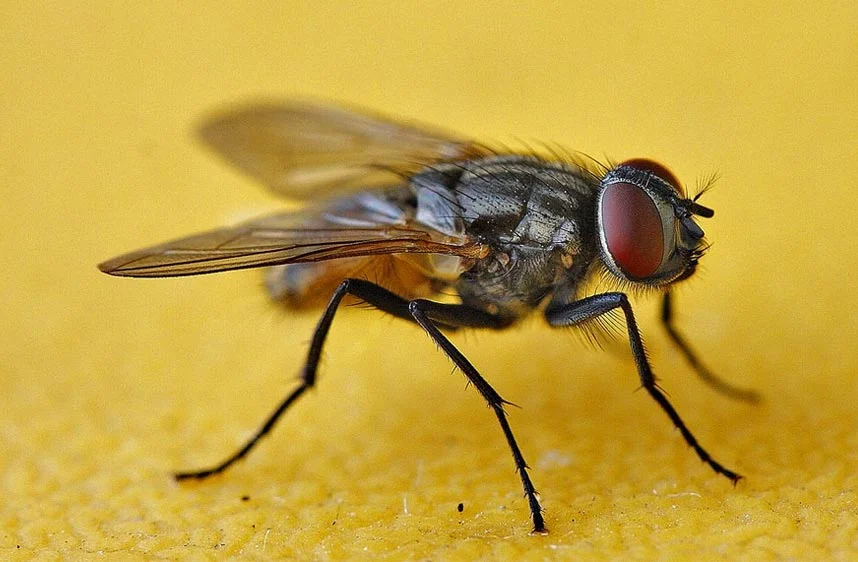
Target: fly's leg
{"type": "Point", "coordinates": [429, 315]}
{"type": "Point", "coordinates": [378, 297]}
{"type": "Point", "coordinates": [591, 307]}
{"type": "Point", "coordinates": [423, 311]}
{"type": "Point", "coordinates": [308, 379]}
{"type": "Point", "coordinates": [702, 371]}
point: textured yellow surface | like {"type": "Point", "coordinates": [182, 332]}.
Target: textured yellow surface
{"type": "Point", "coordinates": [109, 384]}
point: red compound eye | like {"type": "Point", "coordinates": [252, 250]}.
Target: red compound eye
{"type": "Point", "coordinates": [633, 229]}
{"type": "Point", "coordinates": [656, 169]}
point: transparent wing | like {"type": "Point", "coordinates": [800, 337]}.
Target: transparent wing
{"type": "Point", "coordinates": [314, 151]}
{"type": "Point", "coordinates": [363, 225]}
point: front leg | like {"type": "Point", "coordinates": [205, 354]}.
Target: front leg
{"type": "Point", "coordinates": [702, 371]}
{"type": "Point", "coordinates": [589, 308]}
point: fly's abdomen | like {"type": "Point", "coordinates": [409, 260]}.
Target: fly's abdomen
{"type": "Point", "coordinates": [310, 285]}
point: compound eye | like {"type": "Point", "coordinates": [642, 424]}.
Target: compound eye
{"type": "Point", "coordinates": [656, 169]}
{"type": "Point", "coordinates": [632, 229]}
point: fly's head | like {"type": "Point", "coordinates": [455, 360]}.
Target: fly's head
{"type": "Point", "coordinates": [647, 232]}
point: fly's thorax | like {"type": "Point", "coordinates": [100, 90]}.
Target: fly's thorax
{"type": "Point", "coordinates": [510, 282]}
{"type": "Point", "coordinates": [647, 234]}
{"type": "Point", "coordinates": [534, 215]}
{"type": "Point", "coordinates": [525, 201]}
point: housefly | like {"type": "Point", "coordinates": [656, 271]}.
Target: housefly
{"type": "Point", "coordinates": [396, 213]}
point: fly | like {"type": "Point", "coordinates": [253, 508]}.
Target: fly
{"type": "Point", "coordinates": [395, 214]}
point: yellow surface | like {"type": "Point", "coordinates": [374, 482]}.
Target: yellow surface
{"type": "Point", "coordinates": [109, 384]}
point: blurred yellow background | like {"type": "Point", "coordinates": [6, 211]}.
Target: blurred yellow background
{"type": "Point", "coordinates": [110, 384]}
